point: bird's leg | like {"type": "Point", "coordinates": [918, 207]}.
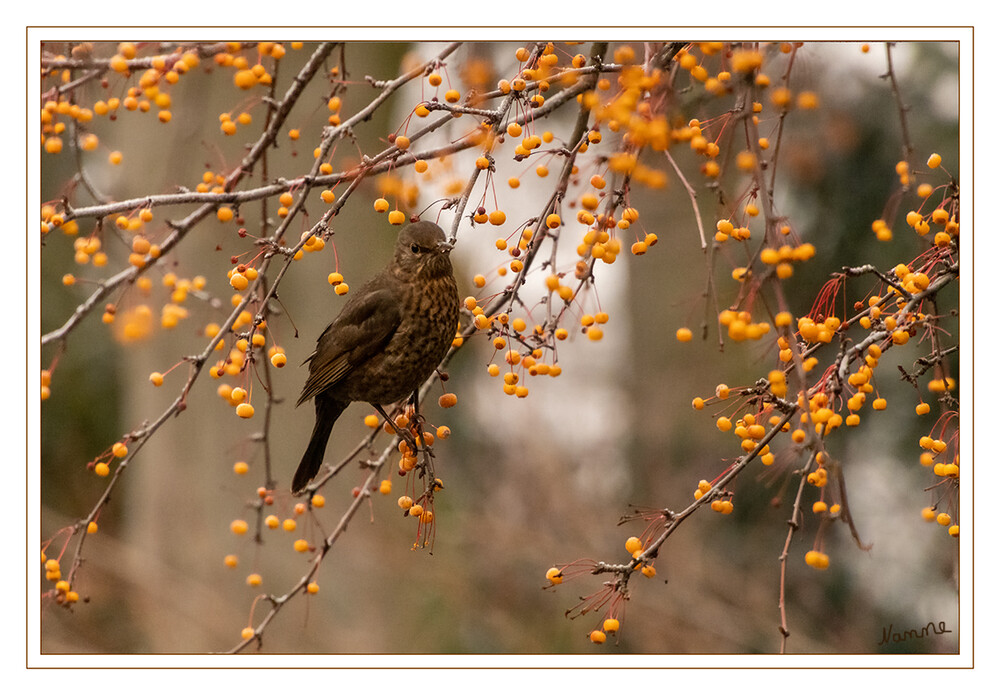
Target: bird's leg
{"type": "Point", "coordinates": [418, 420]}
{"type": "Point", "coordinates": [405, 435]}
{"type": "Point", "coordinates": [427, 465]}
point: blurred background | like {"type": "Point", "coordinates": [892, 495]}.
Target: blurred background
{"type": "Point", "coordinates": [529, 483]}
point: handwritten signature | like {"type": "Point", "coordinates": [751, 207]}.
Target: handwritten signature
{"type": "Point", "coordinates": [888, 635]}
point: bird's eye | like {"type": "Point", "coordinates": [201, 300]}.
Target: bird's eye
{"type": "Point", "coordinates": [414, 248]}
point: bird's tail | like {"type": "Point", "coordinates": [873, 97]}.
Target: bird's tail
{"type": "Point", "coordinates": [327, 412]}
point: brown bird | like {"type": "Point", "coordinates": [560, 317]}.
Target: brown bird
{"type": "Point", "coordinates": [387, 340]}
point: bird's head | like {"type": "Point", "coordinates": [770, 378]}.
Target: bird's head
{"type": "Point", "coordinates": [422, 249]}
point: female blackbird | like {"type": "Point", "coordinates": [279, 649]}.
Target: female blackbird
{"type": "Point", "coordinates": [387, 340]}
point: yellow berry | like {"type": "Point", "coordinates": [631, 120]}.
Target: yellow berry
{"type": "Point", "coordinates": [817, 560]}
{"type": "Point", "coordinates": [239, 282]}
{"type": "Point", "coordinates": [244, 79]}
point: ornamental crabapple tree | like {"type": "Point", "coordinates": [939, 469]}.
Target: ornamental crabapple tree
{"type": "Point", "coordinates": [543, 162]}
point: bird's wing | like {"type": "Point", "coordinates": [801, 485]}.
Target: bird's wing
{"type": "Point", "coordinates": [362, 330]}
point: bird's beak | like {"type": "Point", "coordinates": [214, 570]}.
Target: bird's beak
{"type": "Point", "coordinates": [445, 246]}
